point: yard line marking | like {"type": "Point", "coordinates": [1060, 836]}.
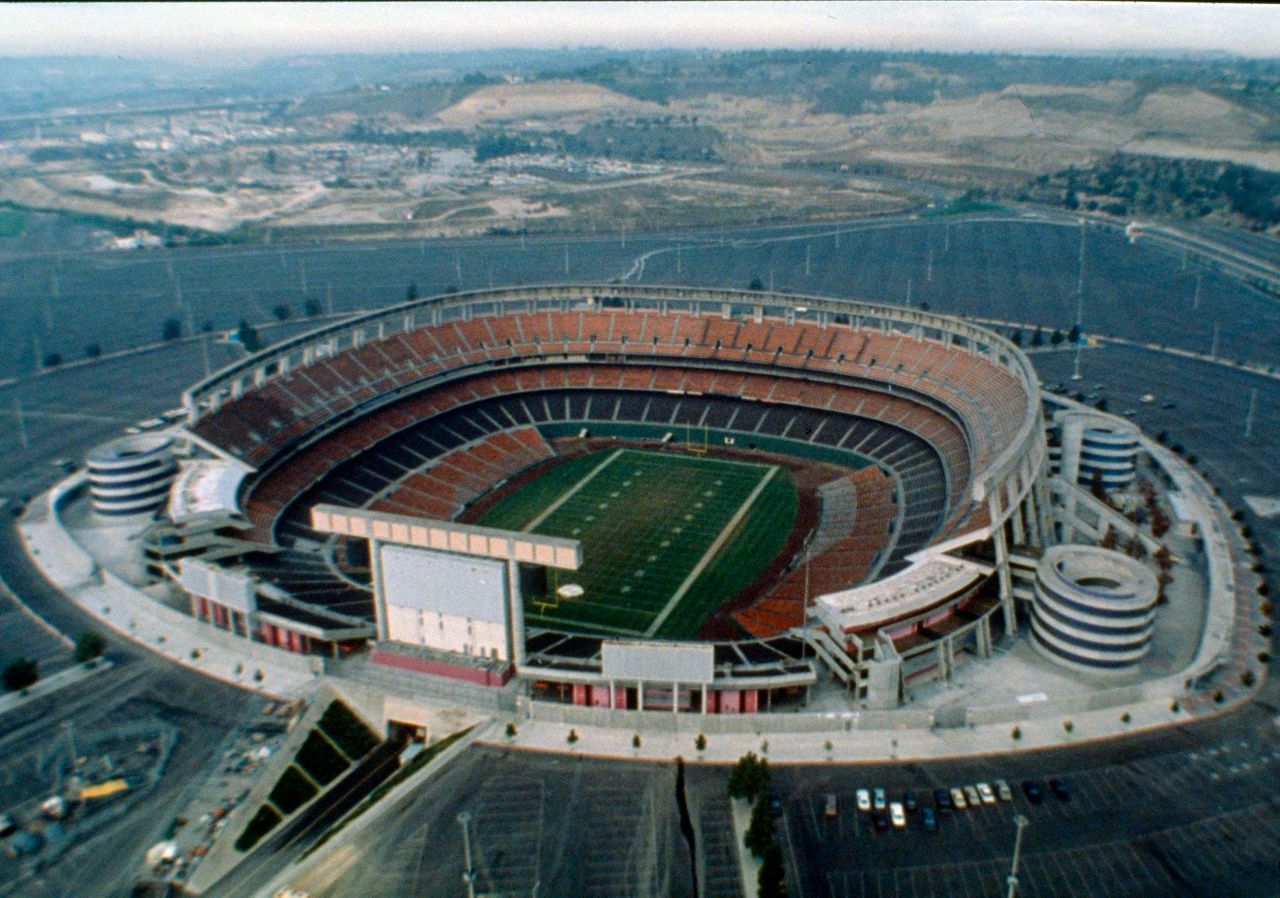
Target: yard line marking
{"type": "Point", "coordinates": [572, 491]}
{"type": "Point", "coordinates": [711, 552]}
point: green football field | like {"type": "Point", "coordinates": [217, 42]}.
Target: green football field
{"type": "Point", "coordinates": [666, 538]}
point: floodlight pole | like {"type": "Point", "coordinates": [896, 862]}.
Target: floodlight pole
{"type": "Point", "coordinates": [22, 422]}
{"type": "Point", "coordinates": [468, 872]}
{"type": "Point", "coordinates": [1080, 276]}
{"type": "Point", "coordinates": [1248, 418]}
{"type": "Point", "coordinates": [1020, 821]}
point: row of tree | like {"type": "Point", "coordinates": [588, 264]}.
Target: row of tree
{"type": "Point", "coordinates": [749, 780]}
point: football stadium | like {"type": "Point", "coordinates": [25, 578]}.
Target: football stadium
{"type": "Point", "coordinates": [624, 496]}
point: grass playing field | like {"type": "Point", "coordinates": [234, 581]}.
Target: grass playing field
{"type": "Point", "coordinates": [666, 537]}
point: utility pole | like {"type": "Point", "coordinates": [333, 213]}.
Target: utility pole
{"type": "Point", "coordinates": [928, 274]}
{"type": "Point", "coordinates": [1195, 303]}
{"type": "Point", "coordinates": [204, 352]}
{"type": "Point", "coordinates": [468, 872]}
{"type": "Point", "coordinates": [1248, 418]}
{"type": "Point", "coordinates": [677, 260]}
{"type": "Point", "coordinates": [908, 292]}
{"type": "Point", "coordinates": [1213, 352]}
{"type": "Point", "coordinates": [22, 422]}
{"type": "Point", "coordinates": [566, 258]}
{"type": "Point", "coordinates": [457, 269]}
{"type": "Point", "coordinates": [1020, 821]}
{"type": "Point", "coordinates": [39, 354]}
{"type": "Point", "coordinates": [1075, 374]}
{"type": "Point", "coordinates": [807, 248]}
{"type": "Point", "coordinates": [328, 297]}
{"type": "Point", "coordinates": [946, 237]}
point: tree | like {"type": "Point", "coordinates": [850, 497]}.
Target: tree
{"type": "Point", "coordinates": [282, 311]}
{"type": "Point", "coordinates": [171, 329]}
{"type": "Point", "coordinates": [21, 674]}
{"type": "Point", "coordinates": [51, 360]}
{"type": "Point", "coordinates": [1073, 335]}
{"type": "Point", "coordinates": [1016, 338]}
{"type": "Point", "coordinates": [248, 336]}
{"type": "Point", "coordinates": [1056, 337]}
{"type": "Point", "coordinates": [759, 835]}
{"type": "Point", "coordinates": [771, 879]}
{"type": "Point", "coordinates": [1037, 339]}
{"type": "Point", "coordinates": [573, 736]}
{"type": "Point", "coordinates": [756, 284]}
{"type": "Point", "coordinates": [311, 308]}
{"type": "Point", "coordinates": [90, 645]}
{"type": "Point", "coordinates": [749, 777]}
{"type": "Point", "coordinates": [93, 350]}
{"type": "Point", "coordinates": [411, 293]}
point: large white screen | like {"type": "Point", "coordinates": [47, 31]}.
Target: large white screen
{"type": "Point", "coordinates": [437, 581]}
{"type": "Point", "coordinates": [658, 662]}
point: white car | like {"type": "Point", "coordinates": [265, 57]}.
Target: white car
{"type": "Point", "coordinates": [1003, 790]}
{"type": "Point", "coordinates": [879, 799]}
{"type": "Point", "coordinates": [864, 800]}
{"type": "Point", "coordinates": [971, 794]}
{"type": "Point", "coordinates": [957, 798]}
{"type": "Point", "coordinates": [985, 793]}
{"type": "Point", "coordinates": [897, 815]}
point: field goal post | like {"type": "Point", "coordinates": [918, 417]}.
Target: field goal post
{"type": "Point", "coordinates": [696, 448]}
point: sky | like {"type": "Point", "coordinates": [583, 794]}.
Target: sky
{"type": "Point", "coordinates": [223, 31]}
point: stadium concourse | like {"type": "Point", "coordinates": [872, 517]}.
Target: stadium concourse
{"type": "Point", "coordinates": [552, 502]}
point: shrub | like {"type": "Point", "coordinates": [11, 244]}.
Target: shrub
{"type": "Point", "coordinates": [51, 360]}
{"type": "Point", "coordinates": [90, 645]}
{"type": "Point", "coordinates": [1126, 717]}
{"type": "Point", "coordinates": [1248, 678]}
{"type": "Point", "coordinates": [1016, 733]}
{"type": "Point", "coordinates": [261, 824]}
{"type": "Point", "coordinates": [1068, 725]}
{"type": "Point", "coordinates": [511, 730]}
{"type": "Point", "coordinates": [318, 758]}
{"type": "Point", "coordinates": [21, 674]}
{"type": "Point", "coordinates": [635, 741]}
{"type": "Point", "coordinates": [759, 835]}
{"type": "Point", "coordinates": [701, 742]}
{"type": "Point", "coordinates": [171, 329]}
{"type": "Point", "coordinates": [347, 731]}
{"type": "Point", "coordinates": [573, 736]}
{"type": "Point", "coordinates": [1174, 706]}
{"type": "Point", "coordinates": [93, 350]}
{"type": "Point", "coordinates": [281, 311]}
{"type": "Point", "coordinates": [292, 791]}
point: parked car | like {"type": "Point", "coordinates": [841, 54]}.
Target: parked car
{"type": "Point", "coordinates": [910, 802]}
{"type": "Point", "coordinates": [879, 800]}
{"type": "Point", "coordinates": [775, 805]}
{"type": "Point", "coordinates": [880, 819]}
{"type": "Point", "coordinates": [898, 815]}
{"type": "Point", "coordinates": [1034, 791]}
{"type": "Point", "coordinates": [986, 794]}
{"type": "Point", "coordinates": [1003, 790]}
{"type": "Point", "coordinates": [957, 798]}
{"type": "Point", "coordinates": [1060, 789]}
{"type": "Point", "coordinates": [971, 795]}
{"type": "Point", "coordinates": [864, 800]}
{"type": "Point", "coordinates": [930, 819]}
{"type": "Point", "coordinates": [942, 798]}
{"type": "Point", "coordinates": [831, 809]}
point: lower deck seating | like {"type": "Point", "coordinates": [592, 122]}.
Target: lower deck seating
{"type": "Point", "coordinates": [843, 563]}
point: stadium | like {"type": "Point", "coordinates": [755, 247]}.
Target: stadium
{"type": "Point", "coordinates": [627, 497]}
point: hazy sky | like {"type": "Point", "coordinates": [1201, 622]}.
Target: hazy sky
{"type": "Point", "coordinates": [215, 31]}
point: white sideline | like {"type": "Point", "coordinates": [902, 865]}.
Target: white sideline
{"type": "Point", "coordinates": [711, 552]}
{"type": "Point", "coordinates": [551, 509]}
